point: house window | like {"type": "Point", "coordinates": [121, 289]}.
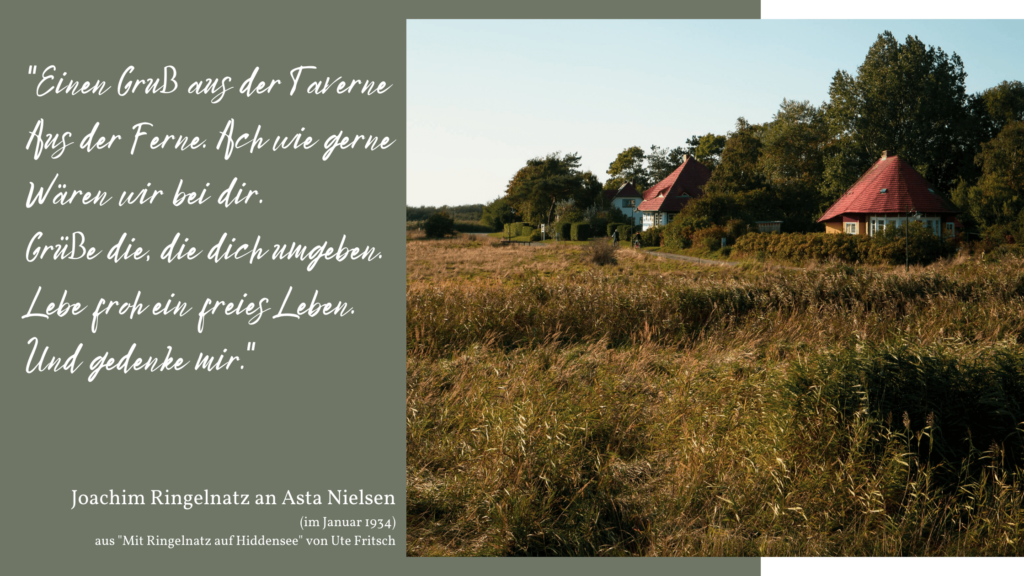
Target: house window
{"type": "Point", "coordinates": [877, 224]}
{"type": "Point", "coordinates": [850, 227]}
{"type": "Point", "coordinates": [628, 203]}
{"type": "Point", "coordinates": [950, 229]}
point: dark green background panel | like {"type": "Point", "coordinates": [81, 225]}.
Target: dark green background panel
{"type": "Point", "coordinates": [320, 402]}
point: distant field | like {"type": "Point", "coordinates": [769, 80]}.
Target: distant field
{"type": "Point", "coordinates": [654, 407]}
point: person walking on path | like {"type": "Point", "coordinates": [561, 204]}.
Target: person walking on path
{"type": "Point", "coordinates": [615, 237]}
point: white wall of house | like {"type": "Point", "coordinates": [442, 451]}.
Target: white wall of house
{"type": "Point", "coordinates": [628, 207]}
{"type": "Point", "coordinates": [653, 219]}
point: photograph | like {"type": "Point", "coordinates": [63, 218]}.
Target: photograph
{"type": "Point", "coordinates": [715, 288]}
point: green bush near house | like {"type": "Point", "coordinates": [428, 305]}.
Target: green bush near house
{"type": "Point", "coordinates": [710, 237]}
{"type": "Point", "coordinates": [652, 236]}
{"type": "Point", "coordinates": [580, 231]}
{"type": "Point", "coordinates": [887, 247]}
{"type": "Point", "coordinates": [564, 230]}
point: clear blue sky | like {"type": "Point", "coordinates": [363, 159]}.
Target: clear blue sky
{"type": "Point", "coordinates": [484, 96]}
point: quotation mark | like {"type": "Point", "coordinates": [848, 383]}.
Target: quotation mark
{"type": "Point", "coordinates": [250, 347]}
{"type": "Point", "coordinates": [32, 69]}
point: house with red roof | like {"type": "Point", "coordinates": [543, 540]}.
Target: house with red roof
{"type": "Point", "coordinates": [666, 198]}
{"type": "Point", "coordinates": [886, 195]}
{"type": "Point", "coordinates": [626, 199]}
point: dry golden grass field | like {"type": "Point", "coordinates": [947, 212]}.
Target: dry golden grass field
{"type": "Point", "coordinates": [655, 407]}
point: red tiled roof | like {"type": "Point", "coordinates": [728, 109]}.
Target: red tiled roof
{"type": "Point", "coordinates": [663, 204]}
{"type": "Point", "coordinates": [688, 178]}
{"type": "Point", "coordinates": [672, 193]}
{"type": "Point", "coordinates": [905, 189]}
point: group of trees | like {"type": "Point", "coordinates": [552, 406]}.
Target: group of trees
{"type": "Point", "coordinates": [644, 169]}
{"type": "Point", "coordinates": [906, 97]}
{"type": "Point", "coordinates": [463, 213]}
{"type": "Point", "coordinates": [536, 189]}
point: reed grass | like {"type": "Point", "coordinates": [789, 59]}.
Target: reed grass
{"type": "Point", "coordinates": [557, 407]}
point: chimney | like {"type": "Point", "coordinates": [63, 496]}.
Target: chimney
{"type": "Point", "coordinates": [686, 156]}
{"type": "Point", "coordinates": [887, 154]}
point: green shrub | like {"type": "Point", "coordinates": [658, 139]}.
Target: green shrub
{"type": "Point", "coordinates": [598, 223]}
{"type": "Point", "coordinates": [580, 231]}
{"type": "Point", "coordinates": [677, 235]}
{"type": "Point", "coordinates": [471, 227]}
{"type": "Point", "coordinates": [439, 225]}
{"type": "Point", "coordinates": [888, 247]}
{"type": "Point", "coordinates": [610, 228]}
{"type": "Point", "coordinates": [651, 236]}
{"type": "Point", "coordinates": [527, 230]}
{"type": "Point", "coordinates": [535, 236]}
{"type": "Point", "coordinates": [895, 245]}
{"type": "Point", "coordinates": [679, 232]}
{"type": "Point", "coordinates": [626, 232]}
{"type": "Point", "coordinates": [735, 228]}
{"type": "Point", "coordinates": [564, 230]}
{"type": "Point", "coordinates": [710, 238]}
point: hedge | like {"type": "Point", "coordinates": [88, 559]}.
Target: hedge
{"type": "Point", "coordinates": [580, 231]}
{"type": "Point", "coordinates": [889, 247]}
{"type": "Point", "coordinates": [563, 229]}
{"type": "Point", "coordinates": [651, 236]}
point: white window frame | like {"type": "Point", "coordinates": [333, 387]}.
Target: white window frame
{"type": "Point", "coordinates": [878, 223]}
{"type": "Point", "coordinates": [850, 227]}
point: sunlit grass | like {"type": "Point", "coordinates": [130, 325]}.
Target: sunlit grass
{"type": "Point", "coordinates": [653, 407]}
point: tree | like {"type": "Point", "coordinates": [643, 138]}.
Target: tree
{"type": "Point", "coordinates": [662, 161]}
{"type": "Point", "coordinates": [707, 149]}
{"type": "Point", "coordinates": [536, 187]}
{"type": "Point", "coordinates": [792, 161]}
{"type": "Point", "coordinates": [497, 214]}
{"type": "Point", "coordinates": [628, 166]}
{"type": "Point", "coordinates": [439, 225]}
{"type": "Point", "coordinates": [738, 170]}
{"type": "Point", "coordinates": [1002, 159]}
{"type": "Point", "coordinates": [591, 190]}
{"type": "Point", "coordinates": [998, 197]}
{"type": "Point", "coordinates": [909, 98]}
{"type": "Point", "coordinates": [1004, 103]}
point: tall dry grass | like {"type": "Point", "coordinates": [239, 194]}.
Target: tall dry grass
{"type": "Point", "coordinates": [555, 407]}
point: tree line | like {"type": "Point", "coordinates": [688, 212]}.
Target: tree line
{"type": "Point", "coordinates": [906, 97]}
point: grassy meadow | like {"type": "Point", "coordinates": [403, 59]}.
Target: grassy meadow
{"type": "Point", "coordinates": [656, 407]}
